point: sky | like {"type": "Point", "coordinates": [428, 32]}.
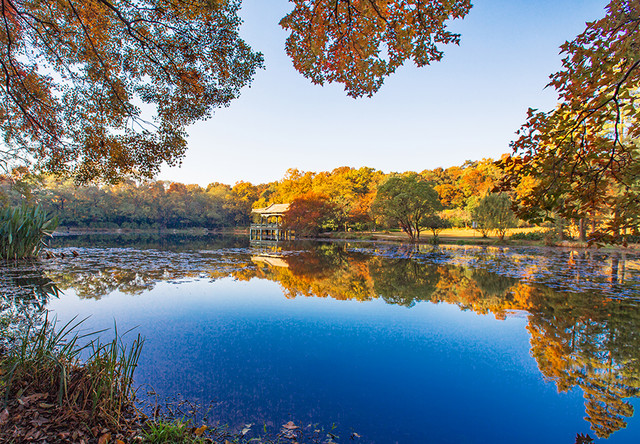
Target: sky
{"type": "Point", "coordinates": [466, 107]}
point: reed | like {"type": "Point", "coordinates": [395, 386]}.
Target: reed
{"type": "Point", "coordinates": [22, 231]}
{"type": "Point", "coordinates": [47, 363]}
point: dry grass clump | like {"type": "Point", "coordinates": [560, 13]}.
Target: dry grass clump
{"type": "Point", "coordinates": [49, 392]}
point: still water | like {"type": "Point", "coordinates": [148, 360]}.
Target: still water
{"type": "Point", "coordinates": [392, 343]}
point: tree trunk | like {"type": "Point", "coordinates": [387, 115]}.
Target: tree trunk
{"type": "Point", "coordinates": [582, 229]}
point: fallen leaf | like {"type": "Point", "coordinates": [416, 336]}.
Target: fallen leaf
{"type": "Point", "coordinates": [200, 430]}
{"type": "Point", "coordinates": [119, 441]}
{"type": "Point", "coordinates": [4, 416]}
{"type": "Point", "coordinates": [104, 439]}
{"type": "Point", "coordinates": [45, 405]}
{"type": "Point", "coordinates": [35, 397]}
{"type": "Point", "coordinates": [246, 428]}
{"type": "Point", "coordinates": [39, 421]}
{"type": "Point", "coordinates": [290, 426]}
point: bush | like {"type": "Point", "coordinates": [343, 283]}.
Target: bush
{"type": "Point", "coordinates": [530, 236]}
{"type": "Point", "coordinates": [22, 230]}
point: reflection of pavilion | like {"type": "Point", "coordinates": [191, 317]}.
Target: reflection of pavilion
{"type": "Point", "coordinates": [269, 225]}
{"type": "Point", "coordinates": [272, 261]}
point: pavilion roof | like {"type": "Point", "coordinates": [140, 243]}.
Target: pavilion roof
{"type": "Point", "coordinates": [272, 210]}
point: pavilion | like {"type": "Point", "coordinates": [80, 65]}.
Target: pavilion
{"type": "Point", "coordinates": [268, 226]}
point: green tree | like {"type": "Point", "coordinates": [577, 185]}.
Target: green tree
{"type": "Point", "coordinates": [582, 159]}
{"type": "Point", "coordinates": [436, 224]}
{"type": "Point", "coordinates": [406, 201]}
{"type": "Point", "coordinates": [493, 212]}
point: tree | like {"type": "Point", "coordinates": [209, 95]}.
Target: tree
{"type": "Point", "coordinates": [436, 224]}
{"type": "Point", "coordinates": [360, 42]}
{"type": "Point", "coordinates": [308, 213]}
{"type": "Point", "coordinates": [493, 212]}
{"type": "Point", "coordinates": [78, 77]}
{"type": "Point", "coordinates": [74, 72]}
{"type": "Point", "coordinates": [581, 159]}
{"type": "Point", "coordinates": [406, 201]}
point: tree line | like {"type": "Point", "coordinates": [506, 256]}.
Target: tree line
{"type": "Point", "coordinates": [343, 199]}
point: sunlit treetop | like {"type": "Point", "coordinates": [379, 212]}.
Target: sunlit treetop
{"type": "Point", "coordinates": [360, 42]}
{"type": "Point", "coordinates": [100, 89]}
{"type": "Point", "coordinates": [581, 160]}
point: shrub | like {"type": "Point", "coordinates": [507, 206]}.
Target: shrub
{"type": "Point", "coordinates": [530, 236]}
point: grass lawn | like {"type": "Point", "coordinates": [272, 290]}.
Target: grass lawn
{"type": "Point", "coordinates": [453, 234]}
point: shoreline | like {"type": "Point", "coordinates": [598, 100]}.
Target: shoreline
{"type": "Point", "coordinates": [470, 238]}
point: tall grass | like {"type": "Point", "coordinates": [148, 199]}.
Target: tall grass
{"type": "Point", "coordinates": [22, 231]}
{"type": "Point", "coordinates": [47, 362]}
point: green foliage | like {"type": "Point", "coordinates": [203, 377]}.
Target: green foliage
{"type": "Point", "coordinates": [529, 236]}
{"type": "Point", "coordinates": [22, 230]}
{"type": "Point", "coordinates": [493, 212]}
{"type": "Point", "coordinates": [406, 201]}
{"type": "Point", "coordinates": [164, 431]}
{"type": "Point", "coordinates": [457, 217]}
{"type": "Point", "coordinates": [436, 224]}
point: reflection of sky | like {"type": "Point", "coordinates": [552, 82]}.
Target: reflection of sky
{"type": "Point", "coordinates": [427, 374]}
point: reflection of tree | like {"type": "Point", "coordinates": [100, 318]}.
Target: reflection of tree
{"type": "Point", "coordinates": [590, 341]}
{"type": "Point", "coordinates": [97, 273]}
{"type": "Point", "coordinates": [328, 271]}
{"type": "Point", "coordinates": [157, 241]}
{"type": "Point", "coordinates": [24, 293]}
{"type": "Point", "coordinates": [586, 340]}
{"type": "Point", "coordinates": [403, 281]}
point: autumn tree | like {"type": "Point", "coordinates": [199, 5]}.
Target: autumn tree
{"type": "Point", "coordinates": [351, 191]}
{"type": "Point", "coordinates": [308, 213]}
{"type": "Point", "coordinates": [581, 159]}
{"type": "Point", "coordinates": [406, 201]}
{"type": "Point", "coordinates": [76, 75]}
{"type": "Point", "coordinates": [360, 42]}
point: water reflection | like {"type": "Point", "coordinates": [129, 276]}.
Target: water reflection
{"type": "Point", "coordinates": [25, 290]}
{"type": "Point", "coordinates": [582, 307]}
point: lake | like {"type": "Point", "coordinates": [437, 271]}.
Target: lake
{"type": "Point", "coordinates": [379, 343]}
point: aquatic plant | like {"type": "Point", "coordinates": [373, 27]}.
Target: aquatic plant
{"type": "Point", "coordinates": [177, 431]}
{"type": "Point", "coordinates": [22, 231]}
{"type": "Point", "coordinates": [44, 371]}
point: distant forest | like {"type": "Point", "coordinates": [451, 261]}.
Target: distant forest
{"type": "Point", "coordinates": [163, 204]}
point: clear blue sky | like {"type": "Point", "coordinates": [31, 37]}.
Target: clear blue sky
{"type": "Point", "coordinates": [468, 106]}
